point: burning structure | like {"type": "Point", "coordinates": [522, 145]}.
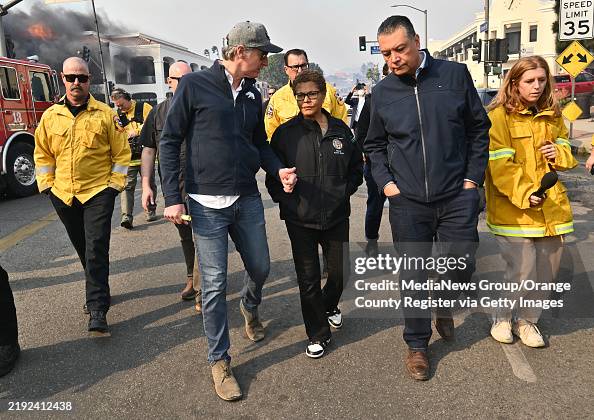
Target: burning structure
{"type": "Point", "coordinates": [137, 62]}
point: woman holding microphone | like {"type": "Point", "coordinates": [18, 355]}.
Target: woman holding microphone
{"type": "Point", "coordinates": [528, 139]}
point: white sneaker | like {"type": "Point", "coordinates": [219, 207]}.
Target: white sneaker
{"type": "Point", "coordinates": [528, 333]}
{"type": "Point", "coordinates": [315, 349]}
{"type": "Point", "coordinates": [502, 331]}
{"type": "Point", "coordinates": [335, 318]}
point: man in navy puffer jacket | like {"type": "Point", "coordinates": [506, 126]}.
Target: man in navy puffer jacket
{"type": "Point", "coordinates": [428, 144]}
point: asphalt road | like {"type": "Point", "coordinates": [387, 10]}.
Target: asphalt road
{"type": "Point", "coordinates": [154, 365]}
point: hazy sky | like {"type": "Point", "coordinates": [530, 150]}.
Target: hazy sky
{"type": "Point", "coordinates": [327, 30]}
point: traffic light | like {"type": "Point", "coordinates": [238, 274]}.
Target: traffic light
{"type": "Point", "coordinates": [498, 50]}
{"type": "Point", "coordinates": [362, 43]}
{"type": "Point", "coordinates": [86, 54]}
{"type": "Point", "coordinates": [477, 51]}
{"type": "Point", "coordinates": [502, 46]}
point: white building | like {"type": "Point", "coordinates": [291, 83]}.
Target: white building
{"type": "Point", "coordinates": [139, 63]}
{"type": "Point", "coordinates": [527, 25]}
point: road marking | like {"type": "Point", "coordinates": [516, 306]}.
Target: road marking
{"type": "Point", "coordinates": [518, 362]}
{"type": "Point", "coordinates": [23, 233]}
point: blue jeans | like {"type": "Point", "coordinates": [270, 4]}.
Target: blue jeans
{"type": "Point", "coordinates": [452, 223]}
{"type": "Point", "coordinates": [375, 205]}
{"type": "Point", "coordinates": [244, 222]}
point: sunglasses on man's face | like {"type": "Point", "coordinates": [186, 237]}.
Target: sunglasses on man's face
{"type": "Point", "coordinates": [82, 78]}
{"type": "Point", "coordinates": [175, 78]}
{"type": "Point", "coordinates": [261, 54]}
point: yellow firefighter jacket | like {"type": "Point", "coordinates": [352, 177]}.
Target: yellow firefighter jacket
{"type": "Point", "coordinates": [80, 157]}
{"type": "Point", "coordinates": [134, 128]}
{"type": "Point", "coordinates": [515, 169]}
{"type": "Point", "coordinates": [283, 106]}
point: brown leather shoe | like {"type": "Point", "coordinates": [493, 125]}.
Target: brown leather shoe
{"type": "Point", "coordinates": [445, 327]}
{"type": "Point", "coordinates": [417, 365]}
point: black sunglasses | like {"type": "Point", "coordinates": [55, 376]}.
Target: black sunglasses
{"type": "Point", "coordinates": [263, 54]}
{"type": "Point", "coordinates": [175, 78]}
{"type": "Point", "coordinates": [82, 78]}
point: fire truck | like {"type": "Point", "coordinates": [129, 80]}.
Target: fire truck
{"type": "Point", "coordinates": [28, 89]}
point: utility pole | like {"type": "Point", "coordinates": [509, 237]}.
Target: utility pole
{"type": "Point", "coordinates": [486, 47]}
{"type": "Point", "coordinates": [422, 11]}
{"type": "Point", "coordinates": [4, 12]}
{"type": "Point", "coordinates": [105, 85]}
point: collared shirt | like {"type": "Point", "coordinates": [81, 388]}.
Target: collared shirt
{"type": "Point", "coordinates": [220, 201]}
{"type": "Point", "coordinates": [233, 90]}
{"type": "Point", "coordinates": [423, 63]}
{"type": "Point", "coordinates": [360, 104]}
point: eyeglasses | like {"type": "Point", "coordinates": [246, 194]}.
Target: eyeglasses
{"type": "Point", "coordinates": [82, 78]}
{"type": "Point", "coordinates": [313, 95]}
{"type": "Point", "coordinates": [296, 67]}
{"type": "Point", "coordinates": [174, 78]}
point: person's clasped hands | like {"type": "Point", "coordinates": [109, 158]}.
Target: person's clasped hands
{"type": "Point", "coordinates": [288, 177]}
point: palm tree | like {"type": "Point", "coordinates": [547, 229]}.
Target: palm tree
{"type": "Point", "coordinates": [215, 50]}
{"type": "Point", "coordinates": [206, 53]}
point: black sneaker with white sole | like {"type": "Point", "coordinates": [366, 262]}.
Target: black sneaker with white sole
{"type": "Point", "coordinates": [315, 349]}
{"type": "Point", "coordinates": [334, 318]}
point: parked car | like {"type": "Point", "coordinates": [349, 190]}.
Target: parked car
{"type": "Point", "coordinates": [584, 83]}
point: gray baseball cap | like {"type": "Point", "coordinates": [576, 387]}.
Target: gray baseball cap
{"type": "Point", "coordinates": [251, 35]}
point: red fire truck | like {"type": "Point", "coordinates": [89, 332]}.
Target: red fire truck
{"type": "Point", "coordinates": [28, 89]}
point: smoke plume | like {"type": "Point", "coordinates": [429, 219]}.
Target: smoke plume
{"type": "Point", "coordinates": [55, 33]}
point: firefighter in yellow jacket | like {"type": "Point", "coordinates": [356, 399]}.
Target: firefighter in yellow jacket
{"type": "Point", "coordinates": [132, 116]}
{"type": "Point", "coordinates": [81, 161]}
{"type": "Point", "coordinates": [527, 139]}
{"type": "Point", "coordinates": [283, 106]}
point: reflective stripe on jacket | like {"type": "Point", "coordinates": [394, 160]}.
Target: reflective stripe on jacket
{"type": "Point", "coordinates": [80, 157]}
{"type": "Point", "coordinates": [515, 169]}
{"type": "Point", "coordinates": [283, 106]}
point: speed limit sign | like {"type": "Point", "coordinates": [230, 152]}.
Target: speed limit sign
{"type": "Point", "coordinates": [576, 20]}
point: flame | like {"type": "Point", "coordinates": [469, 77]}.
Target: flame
{"type": "Point", "coordinates": [39, 30]}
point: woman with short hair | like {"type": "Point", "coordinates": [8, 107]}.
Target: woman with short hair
{"type": "Point", "coordinates": [329, 170]}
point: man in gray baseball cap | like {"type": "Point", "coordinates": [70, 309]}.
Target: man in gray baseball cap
{"type": "Point", "coordinates": [251, 35]}
{"type": "Point", "coordinates": [219, 113]}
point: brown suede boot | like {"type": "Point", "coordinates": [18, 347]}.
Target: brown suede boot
{"type": "Point", "coordinates": [253, 327]}
{"type": "Point", "coordinates": [225, 384]}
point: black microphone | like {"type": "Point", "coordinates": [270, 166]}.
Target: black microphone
{"type": "Point", "coordinates": [548, 180]}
